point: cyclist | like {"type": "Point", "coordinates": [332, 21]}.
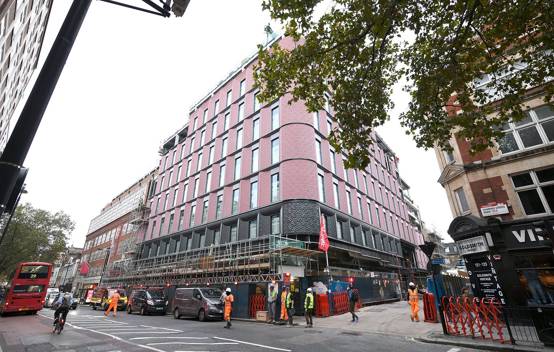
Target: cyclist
{"type": "Point", "coordinates": [63, 303]}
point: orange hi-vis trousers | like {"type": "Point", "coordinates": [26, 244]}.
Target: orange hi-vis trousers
{"type": "Point", "coordinates": [414, 304]}
{"type": "Point", "coordinates": [284, 314]}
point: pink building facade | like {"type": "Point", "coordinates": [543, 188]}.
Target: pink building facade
{"type": "Point", "coordinates": [240, 169]}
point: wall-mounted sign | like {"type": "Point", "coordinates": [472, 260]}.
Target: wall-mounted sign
{"type": "Point", "coordinates": [495, 209]}
{"type": "Point", "coordinates": [472, 245]}
{"type": "Point", "coordinates": [484, 279]}
{"type": "Point", "coordinates": [526, 235]}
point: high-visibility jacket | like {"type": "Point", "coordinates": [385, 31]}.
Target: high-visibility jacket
{"type": "Point", "coordinates": [413, 296]}
{"type": "Point", "coordinates": [288, 301]}
{"type": "Point", "coordinates": [229, 299]}
{"type": "Point", "coordinates": [309, 301]}
{"type": "Point", "coordinates": [273, 295]}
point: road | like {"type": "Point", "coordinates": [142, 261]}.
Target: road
{"type": "Point", "coordinates": [90, 331]}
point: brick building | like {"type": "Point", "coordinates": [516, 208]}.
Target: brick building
{"type": "Point", "coordinates": [241, 189]}
{"type": "Point", "coordinates": [22, 27]}
{"type": "Point", "coordinates": [113, 235]}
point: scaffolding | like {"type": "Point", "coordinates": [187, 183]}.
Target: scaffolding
{"type": "Point", "coordinates": [252, 260]}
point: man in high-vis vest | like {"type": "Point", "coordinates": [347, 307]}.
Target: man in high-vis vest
{"type": "Point", "coordinates": [228, 300]}
{"type": "Point", "coordinates": [272, 301]}
{"type": "Point", "coordinates": [284, 295]}
{"type": "Point", "coordinates": [289, 303]}
{"type": "Point", "coordinates": [309, 308]}
{"type": "Point", "coordinates": [114, 299]}
{"type": "Point", "coordinates": [413, 301]}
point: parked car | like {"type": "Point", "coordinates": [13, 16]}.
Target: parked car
{"type": "Point", "coordinates": [101, 296]}
{"type": "Point", "coordinates": [73, 300]}
{"type": "Point", "coordinates": [199, 302]}
{"type": "Point", "coordinates": [147, 301]}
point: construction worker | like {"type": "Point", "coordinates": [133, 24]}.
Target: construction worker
{"type": "Point", "coordinates": [228, 300]}
{"type": "Point", "coordinates": [289, 302]}
{"type": "Point", "coordinates": [309, 308]}
{"type": "Point", "coordinates": [272, 301]}
{"type": "Point", "coordinates": [113, 304]}
{"type": "Point", "coordinates": [413, 301]}
{"type": "Point", "coordinates": [284, 294]}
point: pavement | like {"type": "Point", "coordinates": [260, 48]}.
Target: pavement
{"type": "Point", "coordinates": [90, 331]}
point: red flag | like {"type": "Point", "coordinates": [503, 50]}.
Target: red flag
{"type": "Point", "coordinates": [84, 269]}
{"type": "Point", "coordinates": [323, 239]}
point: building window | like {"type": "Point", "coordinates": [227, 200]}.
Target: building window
{"type": "Point", "coordinates": [339, 230]}
{"type": "Point", "coordinates": [192, 214]}
{"type": "Point", "coordinates": [205, 211]}
{"type": "Point", "coordinates": [275, 187]}
{"type": "Point", "coordinates": [318, 151]}
{"type": "Point", "coordinates": [241, 111]}
{"type": "Point", "coordinates": [275, 151]}
{"type": "Point", "coordinates": [212, 155]}
{"type": "Point", "coordinates": [202, 137]}
{"type": "Point", "coordinates": [189, 163]}
{"type": "Point", "coordinates": [242, 87]}
{"type": "Point", "coordinates": [219, 206]}
{"type": "Point", "coordinates": [199, 164]}
{"type": "Point", "coordinates": [224, 147]}
{"type": "Point", "coordinates": [239, 138]}
{"type": "Point", "coordinates": [377, 216]}
{"type": "Point", "coordinates": [369, 213]}
{"type": "Point", "coordinates": [237, 168]}
{"type": "Point", "coordinates": [235, 204]}
{"type": "Point", "coordinates": [166, 201]}
{"type": "Point", "coordinates": [336, 195]}
{"type": "Point", "coordinates": [329, 126]}
{"type": "Point", "coordinates": [352, 235]}
{"type": "Point", "coordinates": [204, 116]}
{"type": "Point", "coordinates": [360, 209]}
{"type": "Point", "coordinates": [256, 102]}
{"type": "Point", "coordinates": [191, 145]}
{"type": "Point", "coordinates": [349, 202]}
{"type": "Point", "coordinates": [194, 123]}
{"type": "Point", "coordinates": [536, 128]}
{"type": "Point", "coordinates": [275, 225]}
{"type": "Point", "coordinates": [214, 129]}
{"type": "Point", "coordinates": [316, 120]}
{"type": "Point", "coordinates": [216, 107]}
{"type": "Point", "coordinates": [181, 219]}
{"type": "Point", "coordinates": [253, 194]}
{"type": "Point", "coordinates": [333, 162]}
{"type": "Point", "coordinates": [179, 170]}
{"type": "Point", "coordinates": [161, 226]}
{"type": "Point", "coordinates": [221, 175]}
{"type": "Point", "coordinates": [275, 118]}
{"type": "Point", "coordinates": [535, 190]}
{"type": "Point", "coordinates": [449, 156]}
{"type": "Point", "coordinates": [151, 232]}
{"type": "Point", "coordinates": [217, 237]}
{"type": "Point", "coordinates": [356, 179]}
{"type": "Point", "coordinates": [208, 181]}
{"type": "Point", "coordinates": [185, 191]}
{"type": "Point", "coordinates": [203, 240]}
{"type": "Point", "coordinates": [365, 184]}
{"type": "Point", "coordinates": [256, 129]}
{"type": "Point", "coordinates": [175, 194]}
{"type": "Point", "coordinates": [462, 201]}
{"type": "Point", "coordinates": [195, 191]}
{"type": "Point", "coordinates": [229, 99]}
{"type": "Point", "coordinates": [255, 162]}
{"type": "Point", "coordinates": [170, 225]}
{"type": "Point", "coordinates": [226, 121]}
{"type": "Point", "coordinates": [252, 229]}
{"type": "Point", "coordinates": [321, 187]}
{"type": "Point", "coordinates": [189, 242]}
{"type": "Point", "coordinates": [233, 231]}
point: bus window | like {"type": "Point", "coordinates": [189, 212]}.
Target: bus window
{"type": "Point", "coordinates": [33, 272]}
{"type": "Point", "coordinates": [28, 288]}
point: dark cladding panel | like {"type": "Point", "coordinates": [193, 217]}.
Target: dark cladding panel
{"type": "Point", "coordinates": [302, 217]}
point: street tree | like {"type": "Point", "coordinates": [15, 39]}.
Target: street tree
{"type": "Point", "coordinates": [33, 235]}
{"type": "Point", "coordinates": [357, 50]}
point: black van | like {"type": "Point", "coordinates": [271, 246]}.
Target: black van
{"type": "Point", "coordinates": [147, 301]}
{"type": "Point", "coordinates": [198, 302]}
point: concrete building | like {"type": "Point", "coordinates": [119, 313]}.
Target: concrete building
{"type": "Point", "coordinates": [22, 27]}
{"type": "Point", "coordinates": [113, 234]}
{"type": "Point", "coordinates": [241, 191]}
{"type": "Point", "coordinates": [66, 269]}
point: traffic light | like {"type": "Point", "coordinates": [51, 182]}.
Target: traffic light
{"type": "Point", "coordinates": [179, 7]}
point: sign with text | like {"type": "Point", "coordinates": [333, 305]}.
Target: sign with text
{"type": "Point", "coordinates": [526, 236]}
{"type": "Point", "coordinates": [493, 210]}
{"type": "Point", "coordinates": [484, 279]}
{"type": "Point", "coordinates": [472, 245]}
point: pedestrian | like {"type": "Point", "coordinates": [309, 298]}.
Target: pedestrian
{"type": "Point", "coordinates": [413, 301]}
{"type": "Point", "coordinates": [353, 298]}
{"type": "Point", "coordinates": [272, 301]}
{"type": "Point", "coordinates": [284, 316]}
{"type": "Point", "coordinates": [289, 303]}
{"type": "Point", "coordinates": [113, 304]}
{"type": "Point", "coordinates": [309, 308]}
{"type": "Point", "coordinates": [228, 300]}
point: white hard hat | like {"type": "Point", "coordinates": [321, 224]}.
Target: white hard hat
{"type": "Point", "coordinates": [309, 289]}
{"type": "Point", "coordinates": [228, 289]}
{"type": "Point", "coordinates": [411, 284]}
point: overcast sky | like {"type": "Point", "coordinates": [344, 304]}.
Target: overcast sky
{"type": "Point", "coordinates": [129, 83]}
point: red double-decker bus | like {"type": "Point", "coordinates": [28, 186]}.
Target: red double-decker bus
{"type": "Point", "coordinates": [27, 289]}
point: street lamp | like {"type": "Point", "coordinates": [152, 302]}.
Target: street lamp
{"type": "Point", "coordinates": [12, 173]}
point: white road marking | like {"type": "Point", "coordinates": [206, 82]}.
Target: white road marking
{"type": "Point", "coordinates": [192, 343]}
{"type": "Point", "coordinates": [454, 350]}
{"type": "Point", "coordinates": [155, 327]}
{"type": "Point", "coordinates": [168, 337]}
{"type": "Point", "coordinates": [145, 332]}
{"type": "Point", "coordinates": [253, 344]}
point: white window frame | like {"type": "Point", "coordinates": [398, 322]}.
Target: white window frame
{"type": "Point", "coordinates": [537, 185]}
{"type": "Point", "coordinates": [459, 202]}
